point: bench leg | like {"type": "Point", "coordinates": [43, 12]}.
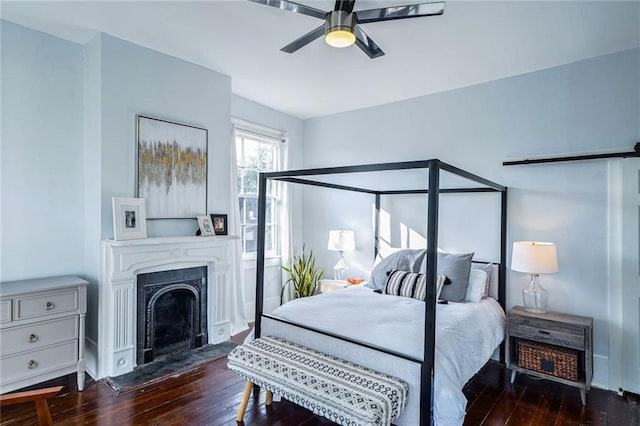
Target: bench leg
{"type": "Point", "coordinates": [268, 398]}
{"type": "Point", "coordinates": [245, 400]}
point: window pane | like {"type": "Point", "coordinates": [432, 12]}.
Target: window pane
{"type": "Point", "coordinates": [241, 207]}
{"type": "Point", "coordinates": [251, 153]}
{"type": "Point", "coordinates": [240, 181]}
{"type": "Point", "coordinates": [251, 238]}
{"type": "Point", "coordinates": [266, 157]}
{"type": "Point", "coordinates": [250, 178]}
{"type": "Point", "coordinates": [251, 206]}
{"type": "Point", "coordinates": [269, 212]}
{"type": "Point", "coordinates": [256, 154]}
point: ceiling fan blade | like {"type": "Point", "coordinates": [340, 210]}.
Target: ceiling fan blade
{"type": "Point", "coordinates": [346, 5]}
{"type": "Point", "coordinates": [294, 7]}
{"type": "Point", "coordinates": [367, 45]}
{"type": "Point", "coordinates": [400, 12]}
{"type": "Point", "coordinates": [304, 40]}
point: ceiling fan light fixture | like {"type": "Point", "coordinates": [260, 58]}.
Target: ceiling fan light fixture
{"type": "Point", "coordinates": [340, 29]}
{"type": "Point", "coordinates": [340, 38]}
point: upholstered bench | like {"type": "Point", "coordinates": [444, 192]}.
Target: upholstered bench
{"type": "Point", "coordinates": [339, 390]}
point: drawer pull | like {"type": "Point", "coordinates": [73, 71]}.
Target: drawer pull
{"type": "Point", "coordinates": [32, 364]}
{"type": "Point", "coordinates": [49, 306]}
{"type": "Point", "coordinates": [33, 338]}
{"type": "Point", "coordinates": [543, 332]}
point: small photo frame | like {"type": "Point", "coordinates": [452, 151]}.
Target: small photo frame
{"type": "Point", "coordinates": [206, 226]}
{"type": "Point", "coordinates": [129, 218]}
{"type": "Point", "coordinates": [219, 223]}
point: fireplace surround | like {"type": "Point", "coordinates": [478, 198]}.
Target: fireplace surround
{"type": "Point", "coordinates": [120, 264]}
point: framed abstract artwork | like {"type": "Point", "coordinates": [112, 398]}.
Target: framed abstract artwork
{"type": "Point", "coordinates": [172, 168]}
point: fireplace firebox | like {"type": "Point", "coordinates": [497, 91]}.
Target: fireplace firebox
{"type": "Point", "coordinates": [171, 312]}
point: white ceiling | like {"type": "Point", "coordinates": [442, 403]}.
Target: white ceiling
{"type": "Point", "coordinates": [473, 42]}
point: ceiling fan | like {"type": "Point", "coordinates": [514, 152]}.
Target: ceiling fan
{"type": "Point", "coordinates": [341, 26]}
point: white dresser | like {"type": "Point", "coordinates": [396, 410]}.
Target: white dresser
{"type": "Point", "coordinates": [41, 330]}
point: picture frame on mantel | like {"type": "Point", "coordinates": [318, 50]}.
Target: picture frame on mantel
{"type": "Point", "coordinates": [206, 226]}
{"type": "Point", "coordinates": [129, 218]}
{"type": "Point", "coordinates": [171, 168]}
{"type": "Point", "coordinates": [219, 223]}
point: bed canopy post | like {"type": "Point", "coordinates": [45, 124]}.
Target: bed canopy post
{"type": "Point", "coordinates": [426, 376]}
{"type": "Point", "coordinates": [376, 228]}
{"type": "Point", "coordinates": [502, 269]}
{"type": "Point", "coordinates": [262, 203]}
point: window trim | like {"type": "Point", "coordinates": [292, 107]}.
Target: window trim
{"type": "Point", "coordinates": [275, 137]}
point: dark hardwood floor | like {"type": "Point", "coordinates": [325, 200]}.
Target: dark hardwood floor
{"type": "Point", "coordinates": [210, 395]}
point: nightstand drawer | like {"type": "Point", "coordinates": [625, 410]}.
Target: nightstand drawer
{"type": "Point", "coordinates": [547, 331]}
{"type": "Point", "coordinates": [34, 336]}
{"type": "Point", "coordinates": [46, 304]}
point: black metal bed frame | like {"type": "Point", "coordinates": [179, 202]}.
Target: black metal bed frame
{"type": "Point", "coordinates": [433, 191]}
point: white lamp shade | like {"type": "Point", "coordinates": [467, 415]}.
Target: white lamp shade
{"type": "Point", "coordinates": [341, 240]}
{"type": "Point", "coordinates": [534, 257]}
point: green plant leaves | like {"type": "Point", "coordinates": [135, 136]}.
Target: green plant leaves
{"type": "Point", "coordinates": [303, 276]}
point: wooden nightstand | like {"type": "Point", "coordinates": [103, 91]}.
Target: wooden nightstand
{"type": "Point", "coordinates": [568, 336]}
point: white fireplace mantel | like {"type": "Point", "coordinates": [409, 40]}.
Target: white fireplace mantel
{"type": "Point", "coordinates": [122, 261]}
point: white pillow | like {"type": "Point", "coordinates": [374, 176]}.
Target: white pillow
{"type": "Point", "coordinates": [477, 288]}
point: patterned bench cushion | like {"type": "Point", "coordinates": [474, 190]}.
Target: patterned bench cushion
{"type": "Point", "coordinates": [342, 391]}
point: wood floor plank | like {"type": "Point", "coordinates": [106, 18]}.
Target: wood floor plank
{"type": "Point", "coordinates": [525, 408]}
{"type": "Point", "coordinates": [501, 412]}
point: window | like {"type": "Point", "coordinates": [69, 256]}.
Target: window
{"type": "Point", "coordinates": [257, 153]}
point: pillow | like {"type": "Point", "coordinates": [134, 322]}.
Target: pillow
{"type": "Point", "coordinates": [477, 289]}
{"type": "Point", "coordinates": [488, 269]}
{"type": "Point", "coordinates": [411, 284]}
{"type": "Point", "coordinates": [456, 267]}
{"type": "Point", "coordinates": [404, 260]}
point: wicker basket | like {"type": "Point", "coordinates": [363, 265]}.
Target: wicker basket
{"type": "Point", "coordinates": [548, 359]}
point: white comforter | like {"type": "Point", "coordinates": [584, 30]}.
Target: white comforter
{"type": "Point", "coordinates": [466, 336]}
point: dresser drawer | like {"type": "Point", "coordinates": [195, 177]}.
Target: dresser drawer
{"type": "Point", "coordinates": [40, 361]}
{"type": "Point", "coordinates": [34, 336]}
{"type": "Point", "coordinates": [45, 304]}
{"type": "Point", "coordinates": [5, 311]}
{"type": "Point", "coordinates": [552, 332]}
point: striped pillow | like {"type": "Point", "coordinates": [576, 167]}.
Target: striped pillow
{"type": "Point", "coordinates": [411, 284]}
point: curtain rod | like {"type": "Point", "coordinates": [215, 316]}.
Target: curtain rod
{"type": "Point", "coordinates": [634, 153]}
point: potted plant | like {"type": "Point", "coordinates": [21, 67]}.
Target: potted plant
{"type": "Point", "coordinates": [303, 275]}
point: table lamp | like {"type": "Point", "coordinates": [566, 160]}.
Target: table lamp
{"type": "Point", "coordinates": [341, 241]}
{"type": "Point", "coordinates": [534, 258]}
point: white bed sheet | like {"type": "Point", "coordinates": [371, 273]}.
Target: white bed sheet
{"type": "Point", "coordinates": [466, 336]}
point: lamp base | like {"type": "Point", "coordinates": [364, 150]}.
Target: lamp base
{"type": "Point", "coordinates": [341, 270]}
{"type": "Point", "coordinates": [535, 297]}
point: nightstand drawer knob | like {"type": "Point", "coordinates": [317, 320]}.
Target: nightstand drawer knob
{"type": "Point", "coordinates": [32, 364]}
{"type": "Point", "coordinates": [543, 332]}
{"type": "Point", "coordinates": [33, 338]}
{"type": "Point", "coordinates": [49, 306]}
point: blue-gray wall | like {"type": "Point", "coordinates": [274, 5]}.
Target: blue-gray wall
{"type": "Point", "coordinates": [41, 196]}
{"type": "Point", "coordinates": [581, 107]}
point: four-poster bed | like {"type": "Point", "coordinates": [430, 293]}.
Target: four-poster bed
{"type": "Point", "coordinates": [321, 177]}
